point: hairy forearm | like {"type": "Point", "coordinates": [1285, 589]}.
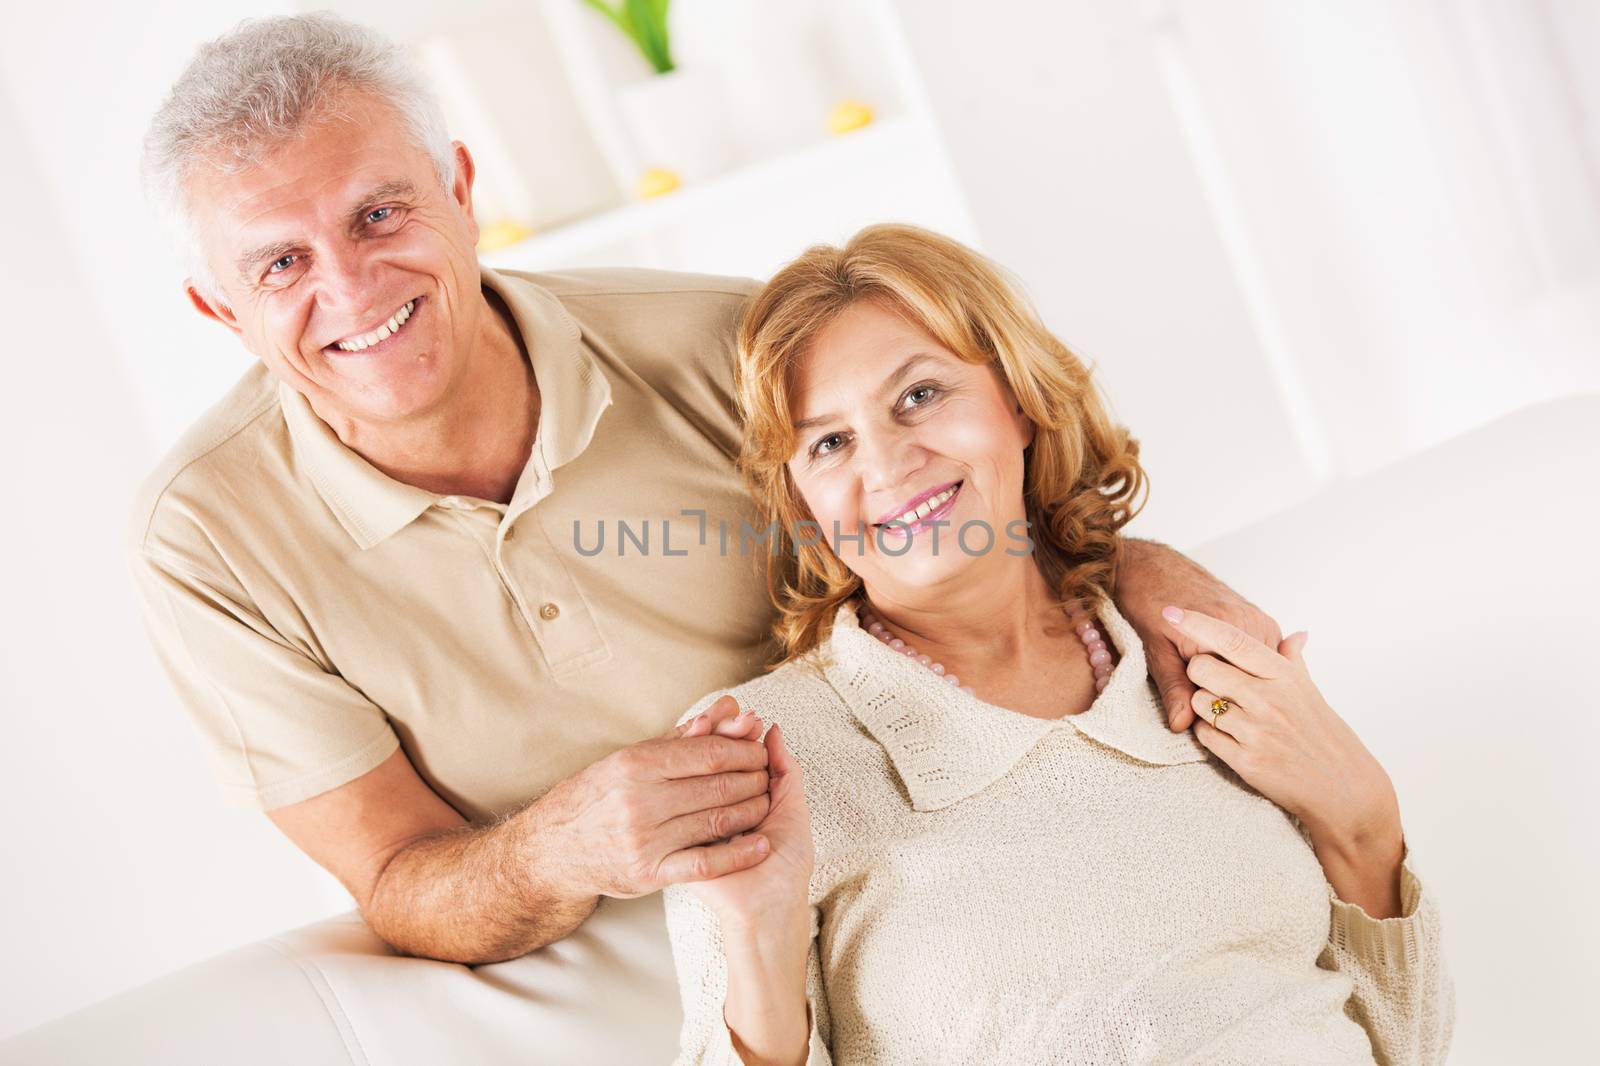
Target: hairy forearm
{"type": "Point", "coordinates": [766, 1010]}
{"type": "Point", "coordinates": [473, 895]}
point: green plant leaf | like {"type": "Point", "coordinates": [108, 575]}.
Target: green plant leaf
{"type": "Point", "coordinates": [645, 24]}
{"type": "Point", "coordinates": [649, 19]}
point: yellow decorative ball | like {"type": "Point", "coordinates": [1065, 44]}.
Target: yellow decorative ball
{"type": "Point", "coordinates": [657, 181]}
{"type": "Point", "coordinates": [502, 234]}
{"type": "Point", "coordinates": [849, 115]}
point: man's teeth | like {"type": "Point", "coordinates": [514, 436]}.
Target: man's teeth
{"type": "Point", "coordinates": [367, 340]}
{"type": "Point", "coordinates": [931, 504]}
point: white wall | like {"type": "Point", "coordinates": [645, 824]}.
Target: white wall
{"type": "Point", "coordinates": [1302, 239]}
{"type": "Point", "coordinates": [120, 862]}
{"type": "Point", "coordinates": [1080, 180]}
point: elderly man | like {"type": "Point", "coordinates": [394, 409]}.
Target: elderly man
{"type": "Point", "coordinates": [360, 568]}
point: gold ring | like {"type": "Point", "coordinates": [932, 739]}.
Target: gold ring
{"type": "Point", "coordinates": [1219, 707]}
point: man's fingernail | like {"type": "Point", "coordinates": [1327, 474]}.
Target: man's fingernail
{"type": "Point", "coordinates": [1172, 614]}
{"type": "Point", "coordinates": [760, 845]}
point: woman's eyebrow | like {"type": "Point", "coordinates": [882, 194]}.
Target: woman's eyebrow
{"type": "Point", "coordinates": [889, 384]}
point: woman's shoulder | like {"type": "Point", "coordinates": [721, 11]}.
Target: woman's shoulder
{"type": "Point", "coordinates": [797, 695]}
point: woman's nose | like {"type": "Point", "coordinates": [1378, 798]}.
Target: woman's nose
{"type": "Point", "coordinates": [886, 459]}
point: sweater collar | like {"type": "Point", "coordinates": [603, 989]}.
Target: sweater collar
{"type": "Point", "coordinates": [946, 745]}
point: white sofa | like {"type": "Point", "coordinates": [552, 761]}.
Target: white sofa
{"type": "Point", "coordinates": [1452, 602]}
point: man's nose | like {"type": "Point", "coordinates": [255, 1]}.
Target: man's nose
{"type": "Point", "coordinates": [345, 283]}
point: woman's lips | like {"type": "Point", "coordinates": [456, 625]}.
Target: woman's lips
{"type": "Point", "coordinates": [924, 523]}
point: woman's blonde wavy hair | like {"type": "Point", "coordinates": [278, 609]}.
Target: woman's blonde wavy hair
{"type": "Point", "coordinates": [1082, 480]}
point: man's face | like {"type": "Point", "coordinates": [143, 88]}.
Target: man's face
{"type": "Point", "coordinates": [327, 241]}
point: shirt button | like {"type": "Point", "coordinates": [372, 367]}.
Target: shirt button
{"type": "Point", "coordinates": [549, 611]}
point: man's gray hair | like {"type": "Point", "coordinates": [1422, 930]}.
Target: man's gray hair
{"type": "Point", "coordinates": [261, 83]}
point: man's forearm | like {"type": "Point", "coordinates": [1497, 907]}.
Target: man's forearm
{"type": "Point", "coordinates": [473, 895]}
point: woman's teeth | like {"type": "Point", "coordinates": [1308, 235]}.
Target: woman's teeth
{"type": "Point", "coordinates": [928, 506]}
{"type": "Point", "coordinates": [383, 332]}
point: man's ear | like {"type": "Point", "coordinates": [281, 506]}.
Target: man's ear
{"type": "Point", "coordinates": [461, 188]}
{"type": "Point", "coordinates": [221, 312]}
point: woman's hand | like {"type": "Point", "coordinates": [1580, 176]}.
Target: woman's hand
{"type": "Point", "coordinates": [1283, 739]}
{"type": "Point", "coordinates": [1151, 575]}
{"type": "Point", "coordinates": [779, 884]}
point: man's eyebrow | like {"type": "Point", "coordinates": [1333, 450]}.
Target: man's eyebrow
{"type": "Point", "coordinates": [389, 190]}
{"type": "Point", "coordinates": [888, 385]}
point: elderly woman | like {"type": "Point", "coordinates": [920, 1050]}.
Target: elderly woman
{"type": "Point", "coordinates": [984, 844]}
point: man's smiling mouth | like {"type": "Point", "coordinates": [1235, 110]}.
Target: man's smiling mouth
{"type": "Point", "coordinates": [360, 342]}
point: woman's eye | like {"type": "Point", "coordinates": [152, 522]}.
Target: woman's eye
{"type": "Point", "coordinates": [927, 392]}
{"type": "Point", "coordinates": [281, 264]}
{"type": "Point", "coordinates": [822, 447]}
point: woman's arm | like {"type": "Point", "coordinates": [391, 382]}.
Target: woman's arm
{"type": "Point", "coordinates": [1402, 993]}
{"type": "Point", "coordinates": [766, 1009]}
{"type": "Point", "coordinates": [745, 944]}
{"type": "Point", "coordinates": [1277, 733]}
{"type": "Point", "coordinates": [1364, 864]}
{"type": "Point", "coordinates": [732, 1015]}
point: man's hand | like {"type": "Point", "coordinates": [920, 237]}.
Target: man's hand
{"type": "Point", "coordinates": [436, 887]}
{"type": "Point", "coordinates": [656, 813]}
{"type": "Point", "coordinates": [1150, 577]}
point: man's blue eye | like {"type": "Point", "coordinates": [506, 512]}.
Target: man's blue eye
{"type": "Point", "coordinates": [285, 262]}
{"type": "Point", "coordinates": [378, 211]}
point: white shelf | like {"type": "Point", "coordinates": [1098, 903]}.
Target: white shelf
{"type": "Point", "coordinates": [863, 153]}
{"type": "Point", "coordinates": [533, 88]}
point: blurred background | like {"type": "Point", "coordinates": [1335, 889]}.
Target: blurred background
{"type": "Point", "coordinates": [1301, 241]}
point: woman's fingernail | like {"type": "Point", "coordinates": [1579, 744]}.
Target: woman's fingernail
{"type": "Point", "coordinates": [1172, 614]}
{"type": "Point", "coordinates": [760, 845]}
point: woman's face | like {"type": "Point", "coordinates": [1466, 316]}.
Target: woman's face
{"type": "Point", "coordinates": [899, 438]}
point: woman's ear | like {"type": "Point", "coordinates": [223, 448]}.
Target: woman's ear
{"type": "Point", "coordinates": [1025, 425]}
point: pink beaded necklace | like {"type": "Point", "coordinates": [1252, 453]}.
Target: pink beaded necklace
{"type": "Point", "coordinates": [1093, 643]}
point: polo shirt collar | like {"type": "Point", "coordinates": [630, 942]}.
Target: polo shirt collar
{"type": "Point", "coordinates": [946, 745]}
{"type": "Point", "coordinates": [573, 391]}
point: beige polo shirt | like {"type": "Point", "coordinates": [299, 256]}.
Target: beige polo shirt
{"type": "Point", "coordinates": [314, 614]}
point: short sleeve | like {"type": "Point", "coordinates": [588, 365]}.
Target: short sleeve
{"type": "Point", "coordinates": [702, 967]}
{"type": "Point", "coordinates": [277, 726]}
{"type": "Point", "coordinates": [1403, 994]}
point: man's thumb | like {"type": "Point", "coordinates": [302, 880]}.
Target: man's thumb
{"type": "Point", "coordinates": [1172, 681]}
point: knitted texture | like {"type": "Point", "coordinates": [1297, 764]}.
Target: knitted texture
{"type": "Point", "coordinates": [993, 887]}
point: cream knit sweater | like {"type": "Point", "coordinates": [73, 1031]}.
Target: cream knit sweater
{"type": "Point", "coordinates": [995, 888]}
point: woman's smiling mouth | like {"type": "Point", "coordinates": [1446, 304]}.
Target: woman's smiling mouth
{"type": "Point", "coordinates": [932, 509]}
